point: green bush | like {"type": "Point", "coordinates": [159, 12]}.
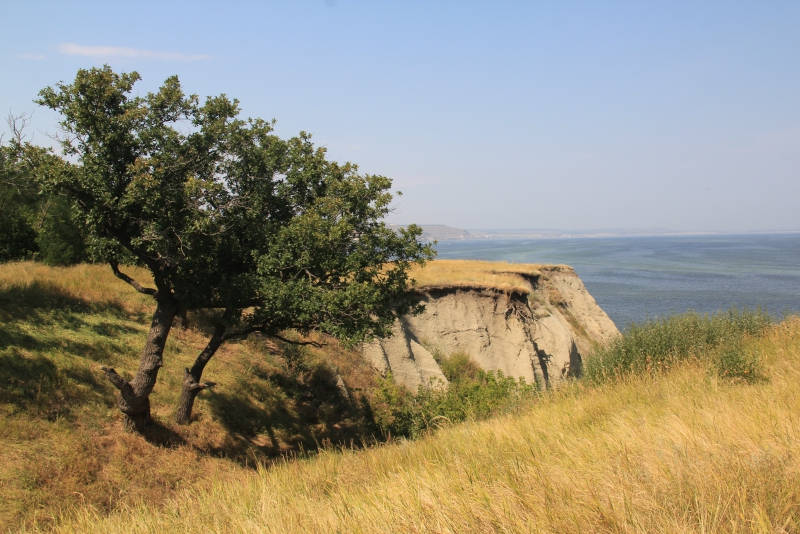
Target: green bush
{"type": "Point", "coordinates": [61, 240]}
{"type": "Point", "coordinates": [736, 363]}
{"type": "Point", "coordinates": [471, 395]}
{"type": "Point", "coordinates": [33, 224]}
{"type": "Point", "coordinates": [658, 344]}
{"type": "Point", "coordinates": [458, 367]}
{"type": "Point", "coordinates": [17, 237]}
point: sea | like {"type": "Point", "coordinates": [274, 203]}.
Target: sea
{"type": "Point", "coordinates": [638, 278]}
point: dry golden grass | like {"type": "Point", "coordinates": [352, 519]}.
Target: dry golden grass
{"type": "Point", "coordinates": [89, 284]}
{"type": "Point", "coordinates": [680, 452]}
{"type": "Point", "coordinates": [500, 275]}
{"type": "Point", "coordinates": [61, 443]}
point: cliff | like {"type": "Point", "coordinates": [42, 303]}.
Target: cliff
{"type": "Point", "coordinates": [529, 321]}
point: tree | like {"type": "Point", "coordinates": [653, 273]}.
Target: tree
{"type": "Point", "coordinates": [33, 224]}
{"type": "Point", "coordinates": [19, 197]}
{"type": "Point", "coordinates": [226, 216]}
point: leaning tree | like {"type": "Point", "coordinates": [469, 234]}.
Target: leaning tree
{"type": "Point", "coordinates": [265, 233]}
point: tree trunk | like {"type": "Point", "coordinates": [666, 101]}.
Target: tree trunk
{"type": "Point", "coordinates": [181, 320]}
{"type": "Point", "coordinates": [191, 378]}
{"type": "Point", "coordinates": [134, 396]}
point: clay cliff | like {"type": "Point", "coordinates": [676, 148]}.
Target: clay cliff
{"type": "Point", "coordinates": [530, 321]}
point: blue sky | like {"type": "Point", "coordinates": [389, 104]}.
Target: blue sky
{"type": "Point", "coordinates": [569, 115]}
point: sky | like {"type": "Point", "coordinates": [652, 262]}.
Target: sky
{"type": "Point", "coordinates": [502, 114]}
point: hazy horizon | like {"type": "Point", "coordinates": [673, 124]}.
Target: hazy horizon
{"type": "Point", "coordinates": [598, 230]}
{"type": "Point", "coordinates": [677, 115]}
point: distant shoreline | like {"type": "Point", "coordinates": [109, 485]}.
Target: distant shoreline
{"type": "Point", "coordinates": [440, 232]}
{"type": "Point", "coordinates": [567, 235]}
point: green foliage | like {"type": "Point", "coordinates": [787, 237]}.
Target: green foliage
{"type": "Point", "coordinates": [734, 362]}
{"type": "Point", "coordinates": [61, 240]}
{"type": "Point", "coordinates": [17, 236]}
{"type": "Point", "coordinates": [658, 344]}
{"type": "Point", "coordinates": [34, 224]}
{"type": "Point", "coordinates": [18, 200]}
{"type": "Point", "coordinates": [227, 215]}
{"type": "Point", "coordinates": [472, 394]}
{"type": "Point", "coordinates": [459, 367]}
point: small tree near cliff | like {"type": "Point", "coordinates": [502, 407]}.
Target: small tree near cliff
{"type": "Point", "coordinates": [226, 216]}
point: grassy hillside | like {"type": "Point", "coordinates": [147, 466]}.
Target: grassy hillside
{"type": "Point", "coordinates": [61, 444]}
{"type": "Point", "coordinates": [681, 451]}
{"type": "Point", "coordinates": [686, 424]}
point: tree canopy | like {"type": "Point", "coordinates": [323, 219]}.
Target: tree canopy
{"type": "Point", "coordinates": [227, 216]}
{"type": "Point", "coordinates": [34, 224]}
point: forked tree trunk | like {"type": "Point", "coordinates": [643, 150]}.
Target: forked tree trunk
{"type": "Point", "coordinates": [191, 378]}
{"type": "Point", "coordinates": [134, 396]}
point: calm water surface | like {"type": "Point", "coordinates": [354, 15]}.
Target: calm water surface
{"type": "Point", "coordinates": [633, 278]}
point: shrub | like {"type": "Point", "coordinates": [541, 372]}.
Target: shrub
{"type": "Point", "coordinates": [61, 240]}
{"type": "Point", "coordinates": [459, 366]}
{"type": "Point", "coordinates": [737, 363]}
{"type": "Point", "coordinates": [17, 237]}
{"type": "Point", "coordinates": [658, 344]}
{"type": "Point", "coordinates": [471, 395]}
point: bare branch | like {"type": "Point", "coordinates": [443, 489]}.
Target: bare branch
{"type": "Point", "coordinates": [18, 124]}
{"type": "Point", "coordinates": [119, 382]}
{"type": "Point", "coordinates": [136, 285]}
{"type": "Point", "coordinates": [242, 333]}
{"type": "Point", "coordinates": [202, 386]}
{"type": "Point", "coordinates": [285, 340]}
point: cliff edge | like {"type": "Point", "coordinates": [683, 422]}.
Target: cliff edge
{"type": "Point", "coordinates": [528, 321]}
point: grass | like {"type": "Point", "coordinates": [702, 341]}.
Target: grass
{"type": "Point", "coordinates": [499, 275]}
{"type": "Point", "coordinates": [670, 434]}
{"type": "Point", "coordinates": [661, 343]}
{"type": "Point", "coordinates": [678, 451]}
{"type": "Point", "coordinates": [61, 444]}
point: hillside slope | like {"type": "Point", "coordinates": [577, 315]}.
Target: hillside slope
{"type": "Point", "coordinates": [664, 453]}
{"type": "Point", "coordinates": [61, 443]}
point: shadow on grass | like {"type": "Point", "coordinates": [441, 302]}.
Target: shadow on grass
{"type": "Point", "coordinates": [35, 384]}
{"type": "Point", "coordinates": [283, 414]}
{"type": "Point", "coordinates": [48, 346]}
{"type": "Point", "coordinates": [50, 325]}
{"type": "Point", "coordinates": [162, 436]}
{"type": "Point", "coordinates": [21, 300]}
{"type": "Point", "coordinates": [269, 412]}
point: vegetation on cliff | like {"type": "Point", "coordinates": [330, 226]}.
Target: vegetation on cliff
{"type": "Point", "coordinates": [500, 275]}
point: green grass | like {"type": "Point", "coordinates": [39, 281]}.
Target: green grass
{"type": "Point", "coordinates": [659, 344]}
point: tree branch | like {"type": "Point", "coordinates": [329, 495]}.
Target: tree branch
{"type": "Point", "coordinates": [119, 382]}
{"type": "Point", "coordinates": [242, 333]}
{"type": "Point", "coordinates": [138, 287]}
{"type": "Point", "coordinates": [312, 343]}
{"type": "Point", "coordinates": [188, 379]}
{"type": "Point", "coordinates": [247, 331]}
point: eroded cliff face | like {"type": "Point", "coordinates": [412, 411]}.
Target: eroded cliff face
{"type": "Point", "coordinates": [539, 336]}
